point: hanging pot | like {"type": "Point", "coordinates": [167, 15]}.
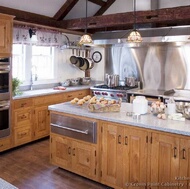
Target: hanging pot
{"type": "Point", "coordinates": [90, 61]}
{"type": "Point", "coordinates": [73, 58]}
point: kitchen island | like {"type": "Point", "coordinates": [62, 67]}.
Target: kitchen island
{"type": "Point", "coordinates": [128, 153]}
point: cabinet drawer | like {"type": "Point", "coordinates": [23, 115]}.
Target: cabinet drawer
{"type": "Point", "coordinates": [23, 117]}
{"type": "Point", "coordinates": [48, 100]}
{"type": "Point", "coordinates": [22, 135]}
{"type": "Point", "coordinates": [76, 94]}
{"type": "Point", "coordinates": [24, 103]}
{"type": "Point", "coordinates": [5, 144]}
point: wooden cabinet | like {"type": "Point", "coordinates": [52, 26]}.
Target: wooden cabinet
{"type": "Point", "coordinates": [22, 121]}
{"type": "Point", "coordinates": [76, 94]}
{"type": "Point", "coordinates": [6, 23]}
{"type": "Point", "coordinates": [30, 116]}
{"type": "Point", "coordinates": [42, 125]}
{"type": "Point", "coordinates": [74, 155]}
{"type": "Point", "coordinates": [124, 155]}
{"type": "Point", "coordinates": [5, 143]}
{"type": "Point", "coordinates": [164, 159]}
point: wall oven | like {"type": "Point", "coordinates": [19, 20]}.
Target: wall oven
{"type": "Point", "coordinates": [5, 78]}
{"type": "Point", "coordinates": [4, 118]}
{"type": "Point", "coordinates": [5, 92]}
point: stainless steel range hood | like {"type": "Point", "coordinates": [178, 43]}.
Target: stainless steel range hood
{"type": "Point", "coordinates": [164, 34]}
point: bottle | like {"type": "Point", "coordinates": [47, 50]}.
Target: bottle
{"type": "Point", "coordinates": [140, 105]}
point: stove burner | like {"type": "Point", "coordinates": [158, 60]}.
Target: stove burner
{"type": "Point", "coordinates": [117, 88]}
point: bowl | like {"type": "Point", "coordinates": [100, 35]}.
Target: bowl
{"type": "Point", "coordinates": [75, 82]}
{"type": "Point", "coordinates": [66, 83]}
{"type": "Point", "coordinates": [85, 81]}
{"type": "Point", "coordinates": [186, 112]}
{"type": "Point", "coordinates": [180, 106]}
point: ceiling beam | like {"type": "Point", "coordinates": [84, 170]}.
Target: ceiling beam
{"type": "Point", "coordinates": [104, 8]}
{"type": "Point", "coordinates": [98, 2]}
{"type": "Point", "coordinates": [169, 16]}
{"type": "Point", "coordinates": [162, 16]}
{"type": "Point", "coordinates": [65, 9]}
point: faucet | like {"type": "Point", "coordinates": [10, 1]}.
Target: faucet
{"type": "Point", "coordinates": [34, 76]}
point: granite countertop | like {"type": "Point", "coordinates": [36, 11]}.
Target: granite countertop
{"type": "Point", "coordinates": [41, 92]}
{"type": "Point", "coordinates": [5, 185]}
{"type": "Point", "coordinates": [148, 121]}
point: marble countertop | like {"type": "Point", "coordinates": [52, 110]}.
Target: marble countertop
{"type": "Point", "coordinates": [148, 121]}
{"type": "Point", "coordinates": [41, 92]}
{"type": "Point", "coordinates": [5, 185]}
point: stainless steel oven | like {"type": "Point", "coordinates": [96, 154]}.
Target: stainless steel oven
{"type": "Point", "coordinates": [4, 118]}
{"type": "Point", "coordinates": [5, 92]}
{"type": "Point", "coordinates": [5, 78]}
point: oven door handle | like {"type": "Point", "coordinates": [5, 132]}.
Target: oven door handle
{"type": "Point", "coordinates": [70, 129]}
{"type": "Point", "coordinates": [4, 108]}
{"type": "Point", "coordinates": [5, 71]}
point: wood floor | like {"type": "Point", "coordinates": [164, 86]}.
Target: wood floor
{"type": "Point", "coordinates": [28, 167]}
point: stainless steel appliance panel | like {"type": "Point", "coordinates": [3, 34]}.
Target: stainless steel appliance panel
{"type": "Point", "coordinates": [159, 66]}
{"type": "Point", "coordinates": [75, 128]}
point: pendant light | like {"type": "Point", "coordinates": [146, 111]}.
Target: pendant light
{"type": "Point", "coordinates": [134, 36]}
{"type": "Point", "coordinates": [85, 39]}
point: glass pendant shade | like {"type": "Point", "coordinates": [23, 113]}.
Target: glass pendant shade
{"type": "Point", "coordinates": [85, 39]}
{"type": "Point", "coordinates": [134, 37]}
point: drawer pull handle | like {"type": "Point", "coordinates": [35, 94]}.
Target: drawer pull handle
{"type": "Point", "coordinates": [119, 139]}
{"type": "Point", "coordinates": [70, 129]}
{"type": "Point", "coordinates": [175, 154]}
{"type": "Point", "coordinates": [1, 145]}
{"type": "Point", "coordinates": [73, 151]}
{"type": "Point", "coordinates": [69, 150]}
{"type": "Point", "coordinates": [126, 140]}
{"type": "Point", "coordinates": [184, 151]}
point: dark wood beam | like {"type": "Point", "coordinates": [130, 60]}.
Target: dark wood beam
{"type": "Point", "coordinates": [65, 9]}
{"type": "Point", "coordinates": [174, 16]}
{"type": "Point", "coordinates": [160, 17]}
{"type": "Point", "coordinates": [98, 2]}
{"type": "Point", "coordinates": [104, 8]}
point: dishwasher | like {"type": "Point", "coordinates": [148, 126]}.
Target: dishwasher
{"type": "Point", "coordinates": [76, 128]}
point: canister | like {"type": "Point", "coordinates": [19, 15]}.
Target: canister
{"type": "Point", "coordinates": [140, 105]}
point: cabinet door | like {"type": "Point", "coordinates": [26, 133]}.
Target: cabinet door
{"type": "Point", "coordinates": [42, 123]}
{"type": "Point", "coordinates": [135, 158]}
{"type": "Point", "coordinates": [184, 174]}
{"type": "Point", "coordinates": [84, 159]}
{"type": "Point", "coordinates": [5, 33]}
{"type": "Point", "coordinates": [61, 151]}
{"type": "Point", "coordinates": [112, 154]}
{"type": "Point", "coordinates": [164, 160]}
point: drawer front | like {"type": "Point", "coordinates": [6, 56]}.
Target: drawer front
{"type": "Point", "coordinates": [5, 144]}
{"type": "Point", "coordinates": [23, 118]}
{"type": "Point", "coordinates": [22, 135]}
{"type": "Point", "coordinates": [76, 94]}
{"type": "Point", "coordinates": [48, 100]}
{"type": "Point", "coordinates": [24, 103]}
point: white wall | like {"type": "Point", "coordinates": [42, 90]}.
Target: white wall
{"type": "Point", "coordinates": [65, 70]}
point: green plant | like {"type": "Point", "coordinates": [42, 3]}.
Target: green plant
{"type": "Point", "coordinates": [15, 86]}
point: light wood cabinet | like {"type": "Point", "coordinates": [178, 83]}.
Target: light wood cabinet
{"type": "Point", "coordinates": [5, 143]}
{"type": "Point", "coordinates": [164, 160]}
{"type": "Point", "coordinates": [74, 155]}
{"type": "Point", "coordinates": [41, 126]}
{"type": "Point", "coordinates": [6, 24]}
{"type": "Point", "coordinates": [124, 155]}
{"type": "Point", "coordinates": [31, 118]}
{"type": "Point", "coordinates": [76, 94]}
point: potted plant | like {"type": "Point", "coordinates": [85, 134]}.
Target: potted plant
{"type": "Point", "coordinates": [15, 86]}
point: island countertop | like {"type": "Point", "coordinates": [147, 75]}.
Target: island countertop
{"type": "Point", "coordinates": [148, 121]}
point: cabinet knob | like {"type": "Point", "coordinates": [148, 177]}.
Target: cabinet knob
{"type": "Point", "coordinates": [175, 152]}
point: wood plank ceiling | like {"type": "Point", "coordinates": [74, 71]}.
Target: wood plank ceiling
{"type": "Point", "coordinates": [99, 22]}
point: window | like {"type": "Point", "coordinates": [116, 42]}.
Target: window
{"type": "Point", "coordinates": [30, 60]}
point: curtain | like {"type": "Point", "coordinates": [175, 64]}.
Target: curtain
{"type": "Point", "coordinates": [41, 37]}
